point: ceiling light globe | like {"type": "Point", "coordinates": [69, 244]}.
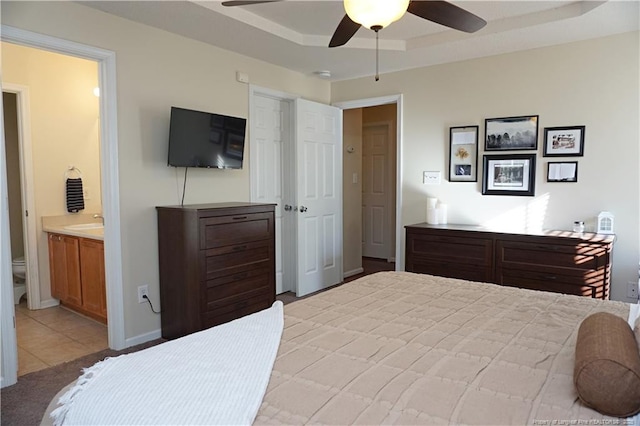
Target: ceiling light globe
{"type": "Point", "coordinates": [370, 13]}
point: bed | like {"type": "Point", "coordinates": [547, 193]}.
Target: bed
{"type": "Point", "coordinates": [404, 348]}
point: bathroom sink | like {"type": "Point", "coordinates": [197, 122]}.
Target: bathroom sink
{"type": "Point", "coordinates": [84, 226]}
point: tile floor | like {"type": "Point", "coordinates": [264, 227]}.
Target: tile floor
{"type": "Point", "coordinates": [48, 337]}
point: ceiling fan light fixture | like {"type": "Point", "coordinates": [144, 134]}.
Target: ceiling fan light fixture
{"type": "Point", "coordinates": [375, 13]}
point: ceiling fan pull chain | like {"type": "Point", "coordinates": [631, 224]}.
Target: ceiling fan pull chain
{"type": "Point", "coordinates": [377, 59]}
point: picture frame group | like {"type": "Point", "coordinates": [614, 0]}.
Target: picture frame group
{"type": "Point", "coordinates": [505, 174]}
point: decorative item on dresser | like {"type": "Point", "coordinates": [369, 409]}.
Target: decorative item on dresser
{"type": "Point", "coordinates": [217, 263]}
{"type": "Point", "coordinates": [556, 261]}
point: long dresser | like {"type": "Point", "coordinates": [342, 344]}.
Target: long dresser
{"type": "Point", "coordinates": [217, 263]}
{"type": "Point", "coordinates": [556, 261]}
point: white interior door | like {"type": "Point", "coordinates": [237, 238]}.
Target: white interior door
{"type": "Point", "coordinates": [319, 195]}
{"type": "Point", "coordinates": [269, 146]}
{"type": "Point", "coordinates": [376, 188]}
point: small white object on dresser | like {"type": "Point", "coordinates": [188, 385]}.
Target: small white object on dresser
{"type": "Point", "coordinates": [605, 223]}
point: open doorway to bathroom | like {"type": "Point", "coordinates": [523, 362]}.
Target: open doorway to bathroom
{"type": "Point", "coordinates": [64, 130]}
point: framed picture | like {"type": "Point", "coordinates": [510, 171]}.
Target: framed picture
{"type": "Point", "coordinates": [511, 133]}
{"type": "Point", "coordinates": [509, 174]}
{"type": "Point", "coordinates": [562, 171]}
{"type": "Point", "coordinates": [463, 154]}
{"type": "Point", "coordinates": [564, 141]}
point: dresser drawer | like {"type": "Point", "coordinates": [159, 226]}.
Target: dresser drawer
{"type": "Point", "coordinates": [234, 259]}
{"type": "Point", "coordinates": [593, 286]}
{"type": "Point", "coordinates": [572, 259]}
{"type": "Point", "coordinates": [235, 284]}
{"type": "Point", "coordinates": [452, 270]}
{"type": "Point", "coordinates": [230, 309]}
{"type": "Point", "coordinates": [228, 230]}
{"type": "Point", "coordinates": [476, 251]}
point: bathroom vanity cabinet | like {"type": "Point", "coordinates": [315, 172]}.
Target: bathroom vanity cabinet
{"type": "Point", "coordinates": [76, 267]}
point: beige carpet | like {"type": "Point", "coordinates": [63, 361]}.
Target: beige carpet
{"type": "Point", "coordinates": [24, 403]}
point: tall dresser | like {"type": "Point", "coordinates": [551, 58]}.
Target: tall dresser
{"type": "Point", "coordinates": [556, 261]}
{"type": "Point", "coordinates": [217, 263]}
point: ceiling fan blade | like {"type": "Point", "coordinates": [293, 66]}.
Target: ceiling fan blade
{"type": "Point", "coordinates": [447, 14]}
{"type": "Point", "coordinates": [246, 2]}
{"type": "Point", "coordinates": [346, 29]}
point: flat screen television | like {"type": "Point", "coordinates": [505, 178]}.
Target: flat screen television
{"type": "Point", "coordinates": [203, 139]}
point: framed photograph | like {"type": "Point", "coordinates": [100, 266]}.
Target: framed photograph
{"type": "Point", "coordinates": [511, 133]}
{"type": "Point", "coordinates": [564, 141]}
{"type": "Point", "coordinates": [463, 154]}
{"type": "Point", "coordinates": [562, 171]}
{"type": "Point", "coordinates": [509, 174]}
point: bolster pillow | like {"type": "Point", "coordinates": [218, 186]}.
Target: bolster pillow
{"type": "Point", "coordinates": [607, 367]}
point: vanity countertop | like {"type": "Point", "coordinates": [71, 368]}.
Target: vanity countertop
{"type": "Point", "coordinates": [60, 225]}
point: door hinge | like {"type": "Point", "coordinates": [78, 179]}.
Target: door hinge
{"type": "Point", "coordinates": [26, 213]}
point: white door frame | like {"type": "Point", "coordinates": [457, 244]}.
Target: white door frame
{"type": "Point", "coordinates": [288, 229]}
{"type": "Point", "coordinates": [29, 226]}
{"type": "Point", "coordinates": [8, 341]}
{"type": "Point", "coordinates": [106, 61]}
{"type": "Point", "coordinates": [383, 100]}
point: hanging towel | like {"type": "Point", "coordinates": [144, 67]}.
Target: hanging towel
{"type": "Point", "coordinates": [75, 198]}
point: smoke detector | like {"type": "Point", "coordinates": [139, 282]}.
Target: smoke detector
{"type": "Point", "coordinates": [322, 73]}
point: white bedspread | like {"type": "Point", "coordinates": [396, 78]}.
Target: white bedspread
{"type": "Point", "coordinates": [216, 376]}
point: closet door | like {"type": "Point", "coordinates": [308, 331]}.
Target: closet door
{"type": "Point", "coordinates": [319, 195]}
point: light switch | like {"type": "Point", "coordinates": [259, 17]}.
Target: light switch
{"type": "Point", "coordinates": [431, 178]}
{"type": "Point", "coordinates": [355, 178]}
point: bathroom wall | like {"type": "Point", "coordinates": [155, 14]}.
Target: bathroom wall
{"type": "Point", "coordinates": [64, 117]}
{"type": "Point", "coordinates": [12, 150]}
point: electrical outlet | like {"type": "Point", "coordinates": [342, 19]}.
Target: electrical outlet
{"type": "Point", "coordinates": [632, 290]}
{"type": "Point", "coordinates": [143, 290]}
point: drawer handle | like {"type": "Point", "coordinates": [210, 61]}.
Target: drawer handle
{"type": "Point", "coordinates": [239, 217]}
{"type": "Point", "coordinates": [240, 276]}
{"type": "Point", "coordinates": [239, 248]}
{"type": "Point", "coordinates": [550, 277]}
{"type": "Point", "coordinates": [242, 304]}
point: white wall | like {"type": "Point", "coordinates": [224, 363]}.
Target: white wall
{"type": "Point", "coordinates": [64, 131]}
{"type": "Point", "coordinates": [593, 83]}
{"type": "Point", "coordinates": [155, 70]}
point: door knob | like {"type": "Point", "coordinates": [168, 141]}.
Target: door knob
{"type": "Point", "coordinates": [303, 209]}
{"type": "Point", "coordinates": [288, 207]}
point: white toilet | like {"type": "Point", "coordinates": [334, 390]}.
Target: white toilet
{"type": "Point", "coordinates": [19, 276]}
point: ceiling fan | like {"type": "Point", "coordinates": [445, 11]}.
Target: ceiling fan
{"type": "Point", "coordinates": [377, 14]}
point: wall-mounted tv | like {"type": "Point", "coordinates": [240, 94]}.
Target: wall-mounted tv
{"type": "Point", "coordinates": [204, 139]}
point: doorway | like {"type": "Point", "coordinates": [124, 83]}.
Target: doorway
{"type": "Point", "coordinates": [372, 183]}
{"type": "Point", "coordinates": [110, 196]}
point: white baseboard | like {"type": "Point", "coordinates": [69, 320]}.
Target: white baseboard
{"type": "Point", "coordinates": [48, 303]}
{"type": "Point", "coordinates": [142, 338]}
{"type": "Point", "coordinates": [353, 272]}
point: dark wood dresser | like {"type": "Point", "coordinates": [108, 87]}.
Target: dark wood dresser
{"type": "Point", "coordinates": [556, 261]}
{"type": "Point", "coordinates": [217, 263]}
